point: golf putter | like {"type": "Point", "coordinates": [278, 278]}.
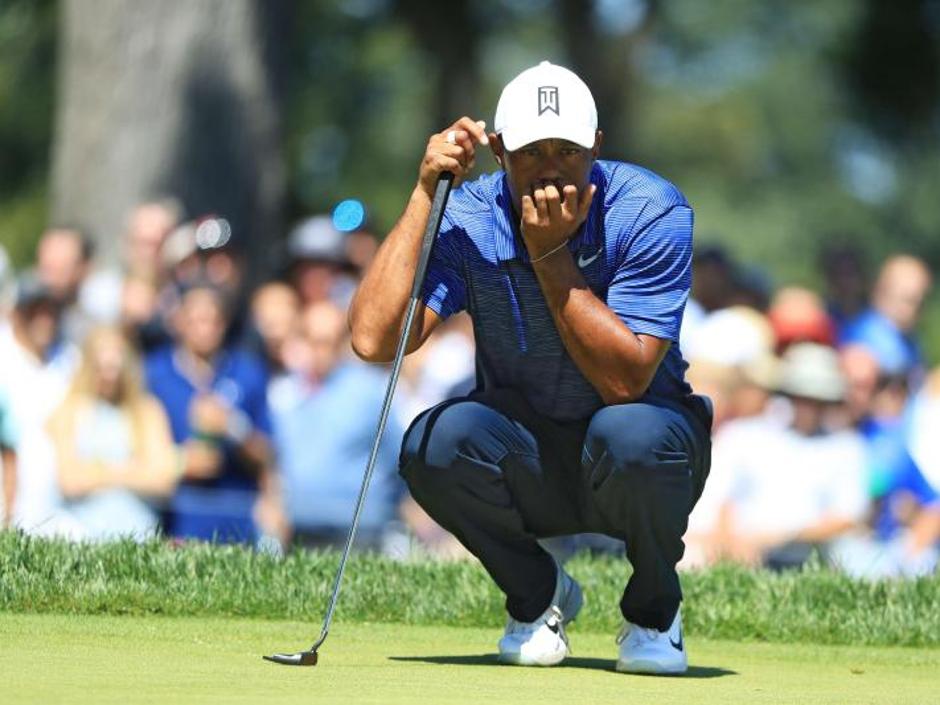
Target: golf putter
{"type": "Point", "coordinates": [442, 191]}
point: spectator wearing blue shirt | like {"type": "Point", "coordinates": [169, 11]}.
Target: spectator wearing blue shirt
{"type": "Point", "coordinates": [324, 420]}
{"type": "Point", "coordinates": [905, 521]}
{"type": "Point", "coordinates": [575, 273]}
{"type": "Point", "coordinates": [215, 397]}
{"type": "Point", "coordinates": [887, 327]}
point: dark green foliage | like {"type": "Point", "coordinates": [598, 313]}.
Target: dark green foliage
{"type": "Point", "coordinates": [27, 61]}
{"type": "Point", "coordinates": [728, 602]}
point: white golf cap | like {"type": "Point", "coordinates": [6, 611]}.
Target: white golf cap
{"type": "Point", "coordinates": [546, 101]}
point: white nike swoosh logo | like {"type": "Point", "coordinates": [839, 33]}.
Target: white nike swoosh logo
{"type": "Point", "coordinates": [582, 262]}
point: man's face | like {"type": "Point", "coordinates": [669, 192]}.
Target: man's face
{"type": "Point", "coordinates": [59, 263]}
{"type": "Point", "coordinates": [148, 229]}
{"type": "Point", "coordinates": [902, 299]}
{"type": "Point", "coordinates": [38, 324]}
{"type": "Point", "coordinates": [549, 161]}
{"type": "Point", "coordinates": [201, 322]}
{"type": "Point", "coordinates": [324, 327]}
{"type": "Point", "coordinates": [314, 280]}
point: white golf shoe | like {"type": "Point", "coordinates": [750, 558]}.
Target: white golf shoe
{"type": "Point", "coordinates": [644, 650]}
{"type": "Point", "coordinates": [544, 642]}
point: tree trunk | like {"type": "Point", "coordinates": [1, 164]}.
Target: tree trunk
{"type": "Point", "coordinates": [605, 63]}
{"type": "Point", "coordinates": [453, 52]}
{"type": "Point", "coordinates": [178, 98]}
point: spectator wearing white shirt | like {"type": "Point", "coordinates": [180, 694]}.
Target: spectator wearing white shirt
{"type": "Point", "coordinates": [33, 379]}
{"type": "Point", "coordinates": [783, 485]}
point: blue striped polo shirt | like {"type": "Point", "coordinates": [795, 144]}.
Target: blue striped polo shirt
{"type": "Point", "coordinates": [634, 251]}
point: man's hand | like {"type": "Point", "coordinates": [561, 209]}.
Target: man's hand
{"type": "Point", "coordinates": [550, 218]}
{"type": "Point", "coordinates": [209, 415]}
{"type": "Point", "coordinates": [201, 460]}
{"type": "Point", "coordinates": [452, 150]}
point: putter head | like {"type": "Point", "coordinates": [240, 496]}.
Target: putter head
{"type": "Point", "coordinates": [301, 658]}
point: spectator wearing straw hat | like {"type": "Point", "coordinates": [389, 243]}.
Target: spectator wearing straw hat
{"type": "Point", "coordinates": [786, 486]}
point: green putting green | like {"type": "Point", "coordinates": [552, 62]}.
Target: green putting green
{"type": "Point", "coordinates": [97, 659]}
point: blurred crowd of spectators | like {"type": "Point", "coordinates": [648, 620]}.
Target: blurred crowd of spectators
{"type": "Point", "coordinates": [174, 395]}
{"type": "Point", "coordinates": [824, 409]}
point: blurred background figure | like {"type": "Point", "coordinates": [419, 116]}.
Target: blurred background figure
{"type": "Point", "coordinates": [361, 246]}
{"type": "Point", "coordinates": [7, 429]}
{"type": "Point", "coordinates": [64, 265]}
{"type": "Point", "coordinates": [731, 360]}
{"type": "Point", "coordinates": [861, 372]}
{"type": "Point", "coordinates": [319, 265]}
{"type": "Point", "coordinates": [148, 226]}
{"type": "Point", "coordinates": [845, 283]}
{"type": "Point", "coordinates": [275, 320]}
{"type": "Point", "coordinates": [36, 368]}
{"type": "Point", "coordinates": [144, 276]}
{"type": "Point", "coordinates": [215, 397]}
{"type": "Point", "coordinates": [325, 418]}
{"type": "Point", "coordinates": [711, 289]}
{"type": "Point", "coordinates": [924, 440]}
{"type": "Point", "coordinates": [798, 315]}
{"type": "Point", "coordinates": [712, 278]}
{"type": "Point", "coordinates": [115, 455]}
{"type": "Point", "coordinates": [440, 369]}
{"type": "Point", "coordinates": [751, 286]}
{"type": "Point", "coordinates": [888, 326]}
{"type": "Point", "coordinates": [199, 250]}
{"type": "Point", "coordinates": [7, 458]}
{"type": "Point", "coordinates": [780, 487]}
{"type": "Point", "coordinates": [903, 529]}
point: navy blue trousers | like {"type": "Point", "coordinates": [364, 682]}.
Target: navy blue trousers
{"type": "Point", "coordinates": [499, 476]}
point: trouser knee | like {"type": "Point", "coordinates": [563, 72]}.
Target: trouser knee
{"type": "Point", "coordinates": [635, 457]}
{"type": "Point", "coordinates": [455, 435]}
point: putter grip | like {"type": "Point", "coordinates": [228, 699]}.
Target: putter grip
{"type": "Point", "coordinates": [441, 192]}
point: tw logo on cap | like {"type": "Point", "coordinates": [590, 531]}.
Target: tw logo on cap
{"type": "Point", "coordinates": [548, 99]}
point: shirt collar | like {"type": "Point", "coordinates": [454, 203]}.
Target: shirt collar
{"type": "Point", "coordinates": [182, 364]}
{"type": "Point", "coordinates": [508, 239]}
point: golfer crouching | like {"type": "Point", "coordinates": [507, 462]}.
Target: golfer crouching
{"type": "Point", "coordinates": [575, 272]}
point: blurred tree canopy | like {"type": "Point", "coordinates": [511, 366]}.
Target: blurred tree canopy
{"type": "Point", "coordinates": [27, 64]}
{"type": "Point", "coordinates": [788, 125]}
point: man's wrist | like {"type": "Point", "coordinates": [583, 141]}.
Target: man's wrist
{"type": "Point", "coordinates": [552, 252]}
{"type": "Point", "coordinates": [211, 438]}
{"type": "Point", "coordinates": [421, 195]}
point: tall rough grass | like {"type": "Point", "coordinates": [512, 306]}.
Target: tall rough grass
{"type": "Point", "coordinates": [159, 578]}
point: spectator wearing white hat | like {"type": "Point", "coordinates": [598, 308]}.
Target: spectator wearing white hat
{"type": "Point", "coordinates": [786, 486]}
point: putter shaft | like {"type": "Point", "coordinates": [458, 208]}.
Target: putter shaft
{"type": "Point", "coordinates": [442, 191]}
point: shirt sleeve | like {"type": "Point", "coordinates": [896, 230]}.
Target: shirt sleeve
{"type": "Point", "coordinates": [651, 284]}
{"type": "Point", "coordinates": [444, 290]}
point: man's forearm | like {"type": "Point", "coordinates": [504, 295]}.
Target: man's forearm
{"type": "Point", "coordinates": [378, 306]}
{"type": "Point", "coordinates": [609, 355]}
{"type": "Point", "coordinates": [825, 529]}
